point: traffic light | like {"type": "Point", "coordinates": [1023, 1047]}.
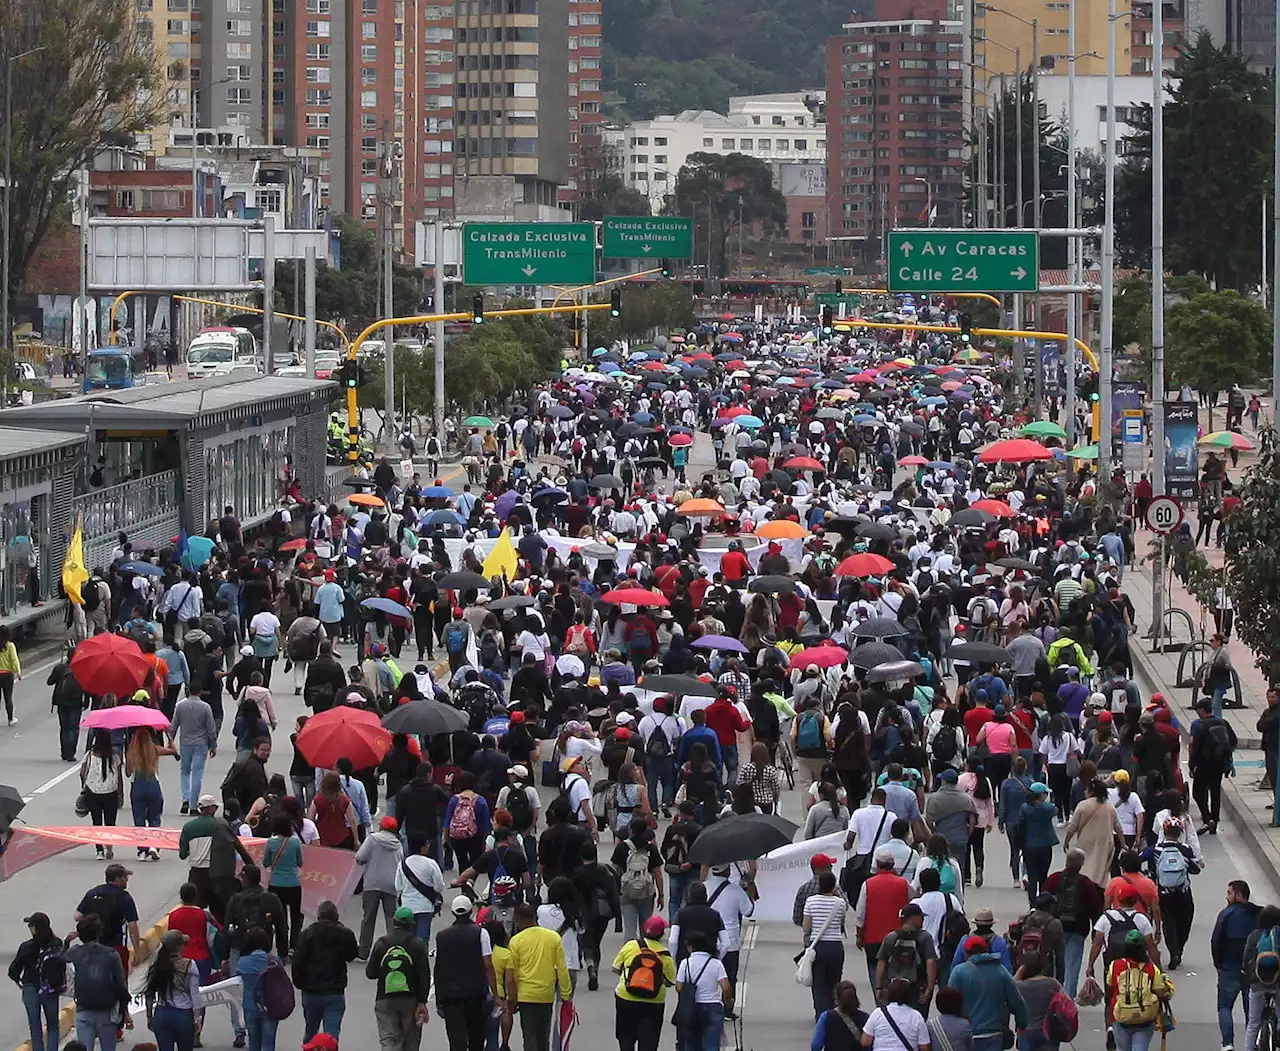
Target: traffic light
{"type": "Point", "coordinates": [615, 303]}
{"type": "Point", "coordinates": [349, 375]}
{"type": "Point", "coordinates": [828, 319]}
{"type": "Point", "coordinates": [477, 310]}
{"type": "Point", "coordinates": [966, 328]}
{"type": "Point", "coordinates": [666, 268]}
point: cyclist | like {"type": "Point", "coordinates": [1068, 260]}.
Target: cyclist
{"type": "Point", "coordinates": [1261, 967]}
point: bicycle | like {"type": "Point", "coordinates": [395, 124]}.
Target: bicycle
{"type": "Point", "coordinates": [1269, 1030]}
{"type": "Point", "coordinates": [787, 764]}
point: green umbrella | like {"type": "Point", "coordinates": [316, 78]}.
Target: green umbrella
{"type": "Point", "coordinates": [1084, 452]}
{"type": "Point", "coordinates": [1043, 429]}
{"type": "Point", "coordinates": [477, 421]}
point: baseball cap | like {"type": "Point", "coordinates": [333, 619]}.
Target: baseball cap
{"type": "Point", "coordinates": [1037, 788]}
{"type": "Point", "coordinates": [566, 764]}
{"type": "Point", "coordinates": [321, 1042]}
{"type": "Point", "coordinates": [205, 801]}
{"type": "Point", "coordinates": [37, 919]}
{"type": "Point", "coordinates": [116, 871]}
{"type": "Point", "coordinates": [975, 943]}
{"type": "Point", "coordinates": [908, 911]}
{"type": "Point", "coordinates": [173, 940]}
{"type": "Point", "coordinates": [246, 650]}
{"type": "Point", "coordinates": [822, 861]}
{"type": "Point", "coordinates": [517, 717]}
{"type": "Point", "coordinates": [389, 824]}
{"type": "Point", "coordinates": [1127, 893]}
{"type": "Point", "coordinates": [1105, 718]}
{"type": "Point", "coordinates": [461, 905]}
{"type": "Point", "coordinates": [403, 916]}
{"type": "Point", "coordinates": [519, 771]}
{"type": "Point", "coordinates": [1121, 777]}
{"type": "Point", "coordinates": [948, 775]}
{"type": "Point", "coordinates": [655, 927]}
{"type": "Point", "coordinates": [622, 734]}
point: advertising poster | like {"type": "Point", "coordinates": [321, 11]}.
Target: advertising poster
{"type": "Point", "coordinates": [1181, 454]}
{"type": "Point", "coordinates": [1051, 368]}
{"type": "Point", "coordinates": [1126, 398]}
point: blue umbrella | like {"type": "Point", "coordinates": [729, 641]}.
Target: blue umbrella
{"type": "Point", "coordinates": [961, 395]}
{"type": "Point", "coordinates": [599, 352]}
{"type": "Point", "coordinates": [749, 421]}
{"type": "Point", "coordinates": [718, 642]}
{"type": "Point", "coordinates": [145, 569]}
{"type": "Point", "coordinates": [643, 417]}
{"type": "Point", "coordinates": [444, 516]}
{"type": "Point", "coordinates": [864, 418]}
{"type": "Point", "coordinates": [934, 400]}
{"type": "Point", "coordinates": [387, 606]}
{"type": "Point", "coordinates": [610, 366]}
{"type": "Point", "coordinates": [505, 504]}
{"type": "Point", "coordinates": [942, 465]}
{"type": "Point", "coordinates": [437, 492]}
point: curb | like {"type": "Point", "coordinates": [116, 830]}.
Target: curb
{"type": "Point", "coordinates": [1242, 817]}
{"type": "Point", "coordinates": [147, 944]}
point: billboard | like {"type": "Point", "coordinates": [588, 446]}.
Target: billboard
{"type": "Point", "coordinates": [1051, 367]}
{"type": "Point", "coordinates": [1126, 398]}
{"type": "Point", "coordinates": [802, 180]}
{"type": "Point", "coordinates": [1181, 454]}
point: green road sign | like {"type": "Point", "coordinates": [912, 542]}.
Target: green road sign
{"type": "Point", "coordinates": [964, 261]}
{"type": "Point", "coordinates": [834, 299]}
{"type": "Point", "coordinates": [647, 237]}
{"type": "Point", "coordinates": [829, 271]}
{"type": "Point", "coordinates": [528, 253]}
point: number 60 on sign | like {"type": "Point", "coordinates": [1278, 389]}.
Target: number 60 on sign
{"type": "Point", "coordinates": [1164, 515]}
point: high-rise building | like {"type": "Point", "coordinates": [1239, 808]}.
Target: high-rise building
{"type": "Point", "coordinates": [895, 136]}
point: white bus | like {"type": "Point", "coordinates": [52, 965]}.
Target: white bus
{"type": "Point", "coordinates": [221, 351]}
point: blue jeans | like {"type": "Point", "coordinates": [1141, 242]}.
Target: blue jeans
{"type": "Point", "coordinates": [96, 1025]}
{"type": "Point", "coordinates": [322, 1011]}
{"type": "Point", "coordinates": [676, 884]}
{"type": "Point", "coordinates": [987, 1043]}
{"type": "Point", "coordinates": [730, 756]}
{"type": "Point", "coordinates": [41, 1007]}
{"type": "Point", "coordinates": [1138, 1039]}
{"type": "Point", "coordinates": [422, 926]}
{"type": "Point", "coordinates": [1036, 1041]}
{"type": "Point", "coordinates": [634, 913]}
{"type": "Point", "coordinates": [1230, 988]}
{"type": "Point", "coordinates": [704, 1034]}
{"type": "Point", "coordinates": [68, 730]}
{"type": "Point", "coordinates": [174, 1028]}
{"type": "Point", "coordinates": [1219, 692]}
{"type": "Point", "coordinates": [663, 770]}
{"type": "Point", "coordinates": [1072, 956]}
{"type": "Point", "coordinates": [147, 801]}
{"type": "Point", "coordinates": [261, 1030]}
{"type": "Point", "coordinates": [191, 760]}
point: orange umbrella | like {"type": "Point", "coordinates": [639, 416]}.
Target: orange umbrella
{"type": "Point", "coordinates": [803, 463]}
{"type": "Point", "coordinates": [994, 507]}
{"type": "Point", "coordinates": [863, 565]}
{"type": "Point", "coordinates": [294, 545]}
{"type": "Point", "coordinates": [782, 529]}
{"type": "Point", "coordinates": [366, 500]}
{"type": "Point", "coordinates": [1014, 450]}
{"type": "Point", "coordinates": [696, 508]}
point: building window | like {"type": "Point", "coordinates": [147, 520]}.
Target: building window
{"type": "Point", "coordinates": [765, 144]}
{"type": "Point", "coordinates": [369, 168]}
{"type": "Point", "coordinates": [318, 142]}
{"type": "Point", "coordinates": [660, 158]}
{"type": "Point", "coordinates": [318, 29]}
{"type": "Point", "coordinates": [317, 120]}
{"type": "Point", "coordinates": [369, 30]}
{"type": "Point", "coordinates": [179, 49]}
{"type": "Point", "coordinates": [239, 27]}
{"type": "Point", "coordinates": [237, 96]}
{"type": "Point", "coordinates": [319, 97]}
{"type": "Point", "coordinates": [435, 34]}
{"type": "Point", "coordinates": [318, 74]}
{"type": "Point", "coordinates": [162, 200]}
{"type": "Point", "coordinates": [802, 144]}
{"type": "Point", "coordinates": [368, 122]}
{"type": "Point", "coordinates": [708, 142]}
{"type": "Point", "coordinates": [238, 72]}
{"type": "Point", "coordinates": [177, 5]}
{"type": "Point", "coordinates": [783, 144]}
{"type": "Point", "coordinates": [246, 51]}
{"type": "Point", "coordinates": [368, 76]}
{"type": "Point", "coordinates": [318, 52]}
{"type": "Point", "coordinates": [368, 52]}
{"type": "Point", "coordinates": [317, 7]}
{"type": "Point", "coordinates": [369, 100]}
{"type": "Point", "coordinates": [747, 144]}
{"type": "Point", "coordinates": [726, 144]}
{"type": "Point", "coordinates": [368, 7]}
{"type": "Point", "coordinates": [640, 141]}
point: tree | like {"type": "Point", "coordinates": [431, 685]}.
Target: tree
{"type": "Point", "coordinates": [1252, 567]}
{"type": "Point", "coordinates": [728, 191]}
{"type": "Point", "coordinates": [1218, 135]}
{"type": "Point", "coordinates": [612, 196]}
{"type": "Point", "coordinates": [1215, 339]}
{"type": "Point", "coordinates": [665, 306]}
{"type": "Point", "coordinates": [1131, 332]}
{"type": "Point", "coordinates": [93, 83]}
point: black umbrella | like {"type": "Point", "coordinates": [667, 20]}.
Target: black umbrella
{"type": "Point", "coordinates": [11, 804]}
{"type": "Point", "coordinates": [462, 579]}
{"type": "Point", "coordinates": [741, 837]}
{"type": "Point", "coordinates": [876, 531]}
{"type": "Point", "coordinates": [978, 652]}
{"type": "Point", "coordinates": [651, 461]}
{"type": "Point", "coordinates": [775, 585]}
{"type": "Point", "coordinates": [878, 628]}
{"type": "Point", "coordinates": [605, 481]}
{"type": "Point", "coordinates": [1016, 563]}
{"type": "Point", "coordinates": [895, 670]}
{"type": "Point", "coordinates": [561, 412]}
{"type": "Point", "coordinates": [513, 602]}
{"type": "Point", "coordinates": [359, 483]}
{"type": "Point", "coordinates": [680, 685]}
{"type": "Point", "coordinates": [781, 479]}
{"type": "Point", "coordinates": [844, 524]}
{"type": "Point", "coordinates": [425, 717]}
{"type": "Point", "coordinates": [549, 497]}
{"type": "Point", "coordinates": [873, 654]}
{"type": "Point", "coordinates": [913, 429]}
{"type": "Point", "coordinates": [972, 516]}
{"type": "Point", "coordinates": [600, 551]}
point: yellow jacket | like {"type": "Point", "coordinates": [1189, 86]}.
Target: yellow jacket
{"type": "Point", "coordinates": [537, 962]}
{"type": "Point", "coordinates": [9, 659]}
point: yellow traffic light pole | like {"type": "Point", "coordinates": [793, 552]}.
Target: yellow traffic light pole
{"type": "Point", "coordinates": [885, 292]}
{"type": "Point", "coordinates": [353, 401]}
{"type": "Point", "coordinates": [113, 335]}
{"type": "Point", "coordinates": [1017, 333]}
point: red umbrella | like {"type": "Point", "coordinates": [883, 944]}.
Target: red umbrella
{"type": "Point", "coordinates": [680, 439]}
{"type": "Point", "coordinates": [109, 664]}
{"type": "Point", "coordinates": [634, 597]}
{"type": "Point", "coordinates": [344, 733]}
{"type": "Point", "coordinates": [803, 463]}
{"type": "Point", "coordinates": [863, 565]}
{"type": "Point", "coordinates": [912, 461]}
{"type": "Point", "coordinates": [733, 411]}
{"type": "Point", "coordinates": [294, 545]}
{"type": "Point", "coordinates": [994, 507]}
{"type": "Point", "coordinates": [826, 655]}
{"type": "Point", "coordinates": [1014, 450]}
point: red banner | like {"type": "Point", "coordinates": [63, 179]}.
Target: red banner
{"type": "Point", "coordinates": [326, 873]}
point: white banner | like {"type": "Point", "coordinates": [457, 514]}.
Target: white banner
{"type": "Point", "coordinates": [779, 874]}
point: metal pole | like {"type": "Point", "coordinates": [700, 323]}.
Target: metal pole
{"type": "Point", "coordinates": [1105, 365]}
{"type": "Point", "coordinates": [1275, 247]}
{"type": "Point", "coordinates": [1017, 176]}
{"type": "Point", "coordinates": [268, 290]}
{"type": "Point", "coordinates": [309, 326]}
{"type": "Point", "coordinates": [1037, 203]}
{"type": "Point", "coordinates": [195, 162]}
{"type": "Point", "coordinates": [1001, 176]}
{"type": "Point", "coordinates": [82, 310]}
{"type": "Point", "coordinates": [438, 305]}
{"type": "Point", "coordinates": [389, 368]}
{"type": "Point", "coordinates": [8, 194]}
{"type": "Point", "coordinates": [1073, 245]}
{"type": "Point", "coordinates": [1157, 302]}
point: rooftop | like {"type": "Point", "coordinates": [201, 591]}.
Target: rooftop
{"type": "Point", "coordinates": [19, 441]}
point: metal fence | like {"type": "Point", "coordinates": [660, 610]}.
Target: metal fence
{"type": "Point", "coordinates": [144, 509]}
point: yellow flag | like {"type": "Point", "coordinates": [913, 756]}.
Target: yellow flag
{"type": "Point", "coordinates": [73, 572]}
{"type": "Point", "coordinates": [502, 559]}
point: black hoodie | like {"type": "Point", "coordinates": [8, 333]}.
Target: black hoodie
{"type": "Point", "coordinates": [320, 960]}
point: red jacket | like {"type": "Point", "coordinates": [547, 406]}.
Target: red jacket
{"type": "Point", "coordinates": [887, 893]}
{"type": "Point", "coordinates": [734, 565]}
{"type": "Point", "coordinates": [724, 718]}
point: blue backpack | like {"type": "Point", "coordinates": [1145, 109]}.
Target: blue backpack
{"type": "Point", "coordinates": [809, 734]}
{"type": "Point", "coordinates": [455, 638]}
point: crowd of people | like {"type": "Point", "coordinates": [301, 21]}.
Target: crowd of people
{"type": "Point", "coordinates": [878, 588]}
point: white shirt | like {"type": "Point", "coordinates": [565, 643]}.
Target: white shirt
{"type": "Point", "coordinates": [1140, 922]}
{"type": "Point", "coordinates": [707, 972]}
{"type": "Point", "coordinates": [1056, 754]}
{"type": "Point", "coordinates": [863, 825]}
{"type": "Point", "coordinates": [552, 918]}
{"type": "Point", "coordinates": [264, 623]}
{"type": "Point", "coordinates": [671, 725]}
{"type": "Point", "coordinates": [908, 1019]}
{"type": "Point", "coordinates": [428, 873]}
{"type": "Point", "coordinates": [531, 643]}
{"type": "Point", "coordinates": [934, 906]}
{"type": "Point", "coordinates": [733, 905]}
{"type": "Point", "coordinates": [1128, 810]}
{"type": "Point", "coordinates": [579, 791]}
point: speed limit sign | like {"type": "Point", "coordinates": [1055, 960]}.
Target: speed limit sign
{"type": "Point", "coordinates": [1164, 515]}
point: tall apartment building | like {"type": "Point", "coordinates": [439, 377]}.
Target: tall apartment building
{"type": "Point", "coordinates": [587, 161]}
{"type": "Point", "coordinates": [895, 136]}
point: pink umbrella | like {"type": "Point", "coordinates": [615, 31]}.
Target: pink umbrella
{"type": "Point", "coordinates": [124, 716]}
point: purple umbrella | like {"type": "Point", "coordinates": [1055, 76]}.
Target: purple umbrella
{"type": "Point", "coordinates": [718, 642]}
{"type": "Point", "coordinates": [503, 505]}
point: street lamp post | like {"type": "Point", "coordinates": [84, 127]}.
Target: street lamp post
{"type": "Point", "coordinates": [928, 207]}
{"type": "Point", "coordinates": [8, 187]}
{"type": "Point", "coordinates": [1107, 350]}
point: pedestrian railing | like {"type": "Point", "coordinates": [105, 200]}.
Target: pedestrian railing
{"type": "Point", "coordinates": [129, 507]}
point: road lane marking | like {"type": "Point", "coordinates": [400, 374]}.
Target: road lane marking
{"type": "Point", "coordinates": [53, 782]}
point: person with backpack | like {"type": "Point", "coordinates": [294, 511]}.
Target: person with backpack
{"type": "Point", "coordinates": [1260, 970]}
{"type": "Point", "coordinates": [521, 800]}
{"type": "Point", "coordinates": [100, 989]}
{"type": "Point", "coordinates": [1052, 1016]}
{"type": "Point", "coordinates": [1078, 902]}
{"type": "Point", "coordinates": [645, 968]}
{"type": "Point", "coordinates": [661, 732]}
{"type": "Point", "coordinates": [1172, 864]}
{"type": "Point", "coordinates": [117, 913]}
{"type": "Point", "coordinates": [172, 993]}
{"type": "Point", "coordinates": [466, 821]}
{"type": "Point", "coordinates": [991, 998]}
{"type": "Point", "coordinates": [1213, 743]}
{"type": "Point", "coordinates": [639, 865]}
{"type": "Point", "coordinates": [811, 741]}
{"type": "Point", "coordinates": [39, 969]}
{"type": "Point", "coordinates": [1227, 944]}
{"type": "Point", "coordinates": [399, 964]}
{"type": "Point", "coordinates": [1109, 939]}
{"type": "Point", "coordinates": [704, 994]}
{"type": "Point", "coordinates": [320, 971]}
{"type": "Point", "coordinates": [251, 907]}
{"type": "Point", "coordinates": [1137, 991]}
{"type": "Point", "coordinates": [457, 638]}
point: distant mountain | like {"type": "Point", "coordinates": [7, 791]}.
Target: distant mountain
{"type": "Point", "coordinates": [662, 56]}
